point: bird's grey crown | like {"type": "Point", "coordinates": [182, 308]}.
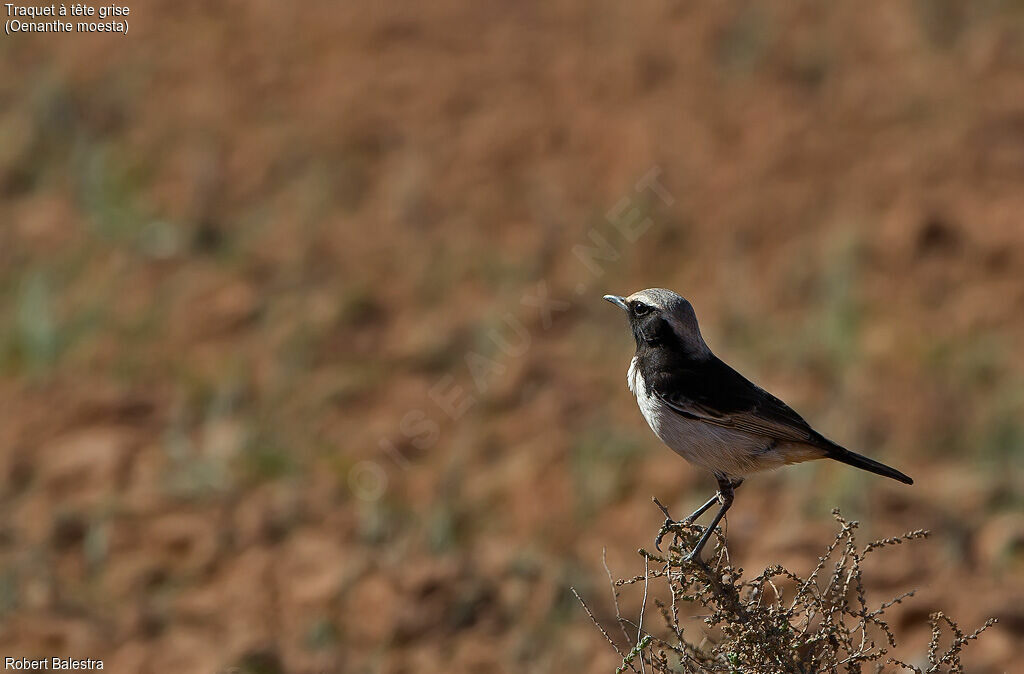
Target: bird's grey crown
{"type": "Point", "coordinates": [678, 312]}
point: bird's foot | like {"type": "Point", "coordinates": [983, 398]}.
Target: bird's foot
{"type": "Point", "coordinates": [669, 523]}
{"type": "Point", "coordinates": [673, 526]}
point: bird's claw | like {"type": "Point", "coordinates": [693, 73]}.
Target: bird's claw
{"type": "Point", "coordinates": [669, 523]}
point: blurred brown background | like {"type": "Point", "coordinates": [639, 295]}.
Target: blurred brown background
{"type": "Point", "coordinates": [240, 246]}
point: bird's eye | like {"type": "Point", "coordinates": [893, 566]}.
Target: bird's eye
{"type": "Point", "coordinates": [641, 309]}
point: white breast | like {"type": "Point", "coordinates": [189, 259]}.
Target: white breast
{"type": "Point", "coordinates": [718, 449]}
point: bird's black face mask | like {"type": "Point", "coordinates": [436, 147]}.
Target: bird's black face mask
{"type": "Point", "coordinates": [648, 325]}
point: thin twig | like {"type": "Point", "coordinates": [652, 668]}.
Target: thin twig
{"type": "Point", "coordinates": [643, 608]}
{"type": "Point", "coordinates": [596, 622]}
{"type": "Point", "coordinates": [615, 594]}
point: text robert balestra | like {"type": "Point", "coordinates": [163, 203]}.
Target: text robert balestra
{"type": "Point", "coordinates": [54, 664]}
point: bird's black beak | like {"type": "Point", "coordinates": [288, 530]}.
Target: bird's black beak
{"type": "Point", "coordinates": [617, 301]}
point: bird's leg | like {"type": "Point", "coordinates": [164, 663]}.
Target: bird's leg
{"type": "Point", "coordinates": [669, 522]}
{"type": "Point", "coordinates": [726, 490]}
{"type": "Point", "coordinates": [692, 517]}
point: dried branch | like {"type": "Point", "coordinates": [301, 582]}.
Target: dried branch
{"type": "Point", "coordinates": [827, 626]}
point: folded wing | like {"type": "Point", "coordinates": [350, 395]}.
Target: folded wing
{"type": "Point", "coordinates": [712, 392]}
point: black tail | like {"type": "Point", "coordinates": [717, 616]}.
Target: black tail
{"type": "Point", "coordinates": [854, 459]}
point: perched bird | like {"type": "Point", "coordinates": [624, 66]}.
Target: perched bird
{"type": "Point", "coordinates": [710, 414]}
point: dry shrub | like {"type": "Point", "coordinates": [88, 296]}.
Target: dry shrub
{"type": "Point", "coordinates": [826, 624]}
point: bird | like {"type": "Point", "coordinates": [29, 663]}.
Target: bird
{"type": "Point", "coordinates": [709, 413]}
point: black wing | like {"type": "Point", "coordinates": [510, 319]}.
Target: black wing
{"type": "Point", "coordinates": [711, 391]}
